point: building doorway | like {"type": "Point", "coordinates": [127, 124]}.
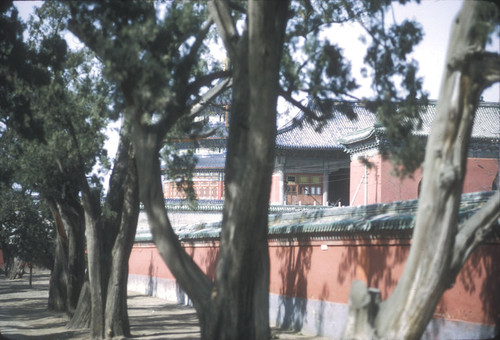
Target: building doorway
{"type": "Point", "coordinates": [338, 187]}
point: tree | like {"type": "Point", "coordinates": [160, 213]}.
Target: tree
{"type": "Point", "coordinates": [70, 108]}
{"type": "Point", "coordinates": [25, 78]}
{"type": "Point", "coordinates": [27, 234]}
{"type": "Point", "coordinates": [153, 60]}
{"type": "Point", "coordinates": [440, 244]}
{"type": "Point", "coordinates": [157, 85]}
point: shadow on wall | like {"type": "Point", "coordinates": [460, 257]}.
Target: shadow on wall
{"type": "Point", "coordinates": [207, 259]}
{"type": "Point", "coordinates": [320, 322]}
{"type": "Point", "coordinates": [377, 262]}
{"type": "Point", "coordinates": [153, 279]}
{"type": "Point", "coordinates": [482, 271]}
{"type": "Point", "coordinates": [295, 264]}
{"type": "Point", "coordinates": [208, 263]}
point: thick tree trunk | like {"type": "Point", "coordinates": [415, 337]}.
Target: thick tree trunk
{"type": "Point", "coordinates": [430, 268]}
{"type": "Point", "coordinates": [81, 316]}
{"type": "Point", "coordinates": [58, 285]}
{"type": "Point", "coordinates": [103, 303]}
{"type": "Point", "coordinates": [116, 322]}
{"type": "Point", "coordinates": [241, 299]}
{"type": "Point", "coordinates": [69, 262]}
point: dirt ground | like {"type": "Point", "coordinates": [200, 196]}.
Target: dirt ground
{"type": "Point", "coordinates": [24, 315]}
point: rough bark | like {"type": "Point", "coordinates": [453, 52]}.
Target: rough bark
{"type": "Point", "coordinates": [94, 258]}
{"type": "Point", "coordinates": [71, 214]}
{"type": "Point", "coordinates": [431, 267]}
{"type": "Point", "coordinates": [110, 235]}
{"type": "Point", "coordinates": [190, 277]}
{"type": "Point", "coordinates": [58, 285]}
{"type": "Point", "coordinates": [81, 316]}
{"type": "Point", "coordinates": [116, 322]}
{"type": "Point", "coordinates": [68, 274]}
{"type": "Point", "coordinates": [241, 293]}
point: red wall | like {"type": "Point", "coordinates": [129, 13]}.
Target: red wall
{"type": "Point", "coordinates": [324, 270]}
{"type": "Point", "coordinates": [384, 187]}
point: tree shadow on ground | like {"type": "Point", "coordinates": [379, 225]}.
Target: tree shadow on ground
{"type": "Point", "coordinates": [295, 264]}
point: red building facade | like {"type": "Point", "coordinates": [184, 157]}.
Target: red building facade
{"type": "Point", "coordinates": [324, 167]}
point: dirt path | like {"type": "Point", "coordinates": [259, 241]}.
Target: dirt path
{"type": "Point", "coordinates": [24, 315]}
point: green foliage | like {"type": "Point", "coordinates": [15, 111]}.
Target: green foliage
{"type": "Point", "coordinates": [313, 64]}
{"type": "Point", "coordinates": [26, 228]}
{"type": "Point", "coordinates": [53, 111]}
{"type": "Point", "coordinates": [144, 53]}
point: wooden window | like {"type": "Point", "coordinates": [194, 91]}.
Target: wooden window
{"type": "Point", "coordinates": [303, 179]}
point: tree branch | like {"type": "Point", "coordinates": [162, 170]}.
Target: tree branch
{"type": "Point", "coordinates": [288, 97]}
{"type": "Point", "coordinates": [219, 10]}
{"type": "Point", "coordinates": [483, 66]}
{"type": "Point", "coordinates": [209, 95]}
{"type": "Point", "coordinates": [473, 231]}
{"type": "Point", "coordinates": [206, 80]}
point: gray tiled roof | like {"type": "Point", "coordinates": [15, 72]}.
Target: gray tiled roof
{"type": "Point", "coordinates": [301, 134]}
{"type": "Point", "coordinates": [486, 122]}
{"type": "Point", "coordinates": [214, 161]}
{"type": "Point", "coordinates": [298, 136]}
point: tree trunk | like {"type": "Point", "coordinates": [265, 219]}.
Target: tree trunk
{"type": "Point", "coordinates": [241, 299]}
{"type": "Point", "coordinates": [58, 285]}
{"type": "Point", "coordinates": [110, 236]}
{"type": "Point", "coordinates": [189, 276]}
{"type": "Point", "coordinates": [68, 273]}
{"type": "Point", "coordinates": [434, 259]}
{"type": "Point", "coordinates": [81, 316]}
{"type": "Point", "coordinates": [116, 322]}
{"type": "Point", "coordinates": [94, 256]}
{"type": "Point", "coordinates": [72, 216]}
{"type": "Point", "coordinates": [16, 268]}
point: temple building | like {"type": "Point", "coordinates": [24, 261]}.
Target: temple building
{"type": "Point", "coordinates": [327, 167]}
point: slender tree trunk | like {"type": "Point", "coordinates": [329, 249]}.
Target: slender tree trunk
{"type": "Point", "coordinates": [436, 254]}
{"type": "Point", "coordinates": [190, 277]}
{"type": "Point", "coordinates": [94, 256]}
{"type": "Point", "coordinates": [72, 216]}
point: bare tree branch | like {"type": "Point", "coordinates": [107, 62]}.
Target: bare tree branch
{"type": "Point", "coordinates": [473, 231]}
{"type": "Point", "coordinates": [219, 10]}
{"type": "Point", "coordinates": [206, 80]}
{"type": "Point", "coordinates": [209, 95]}
{"type": "Point", "coordinates": [288, 97]}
